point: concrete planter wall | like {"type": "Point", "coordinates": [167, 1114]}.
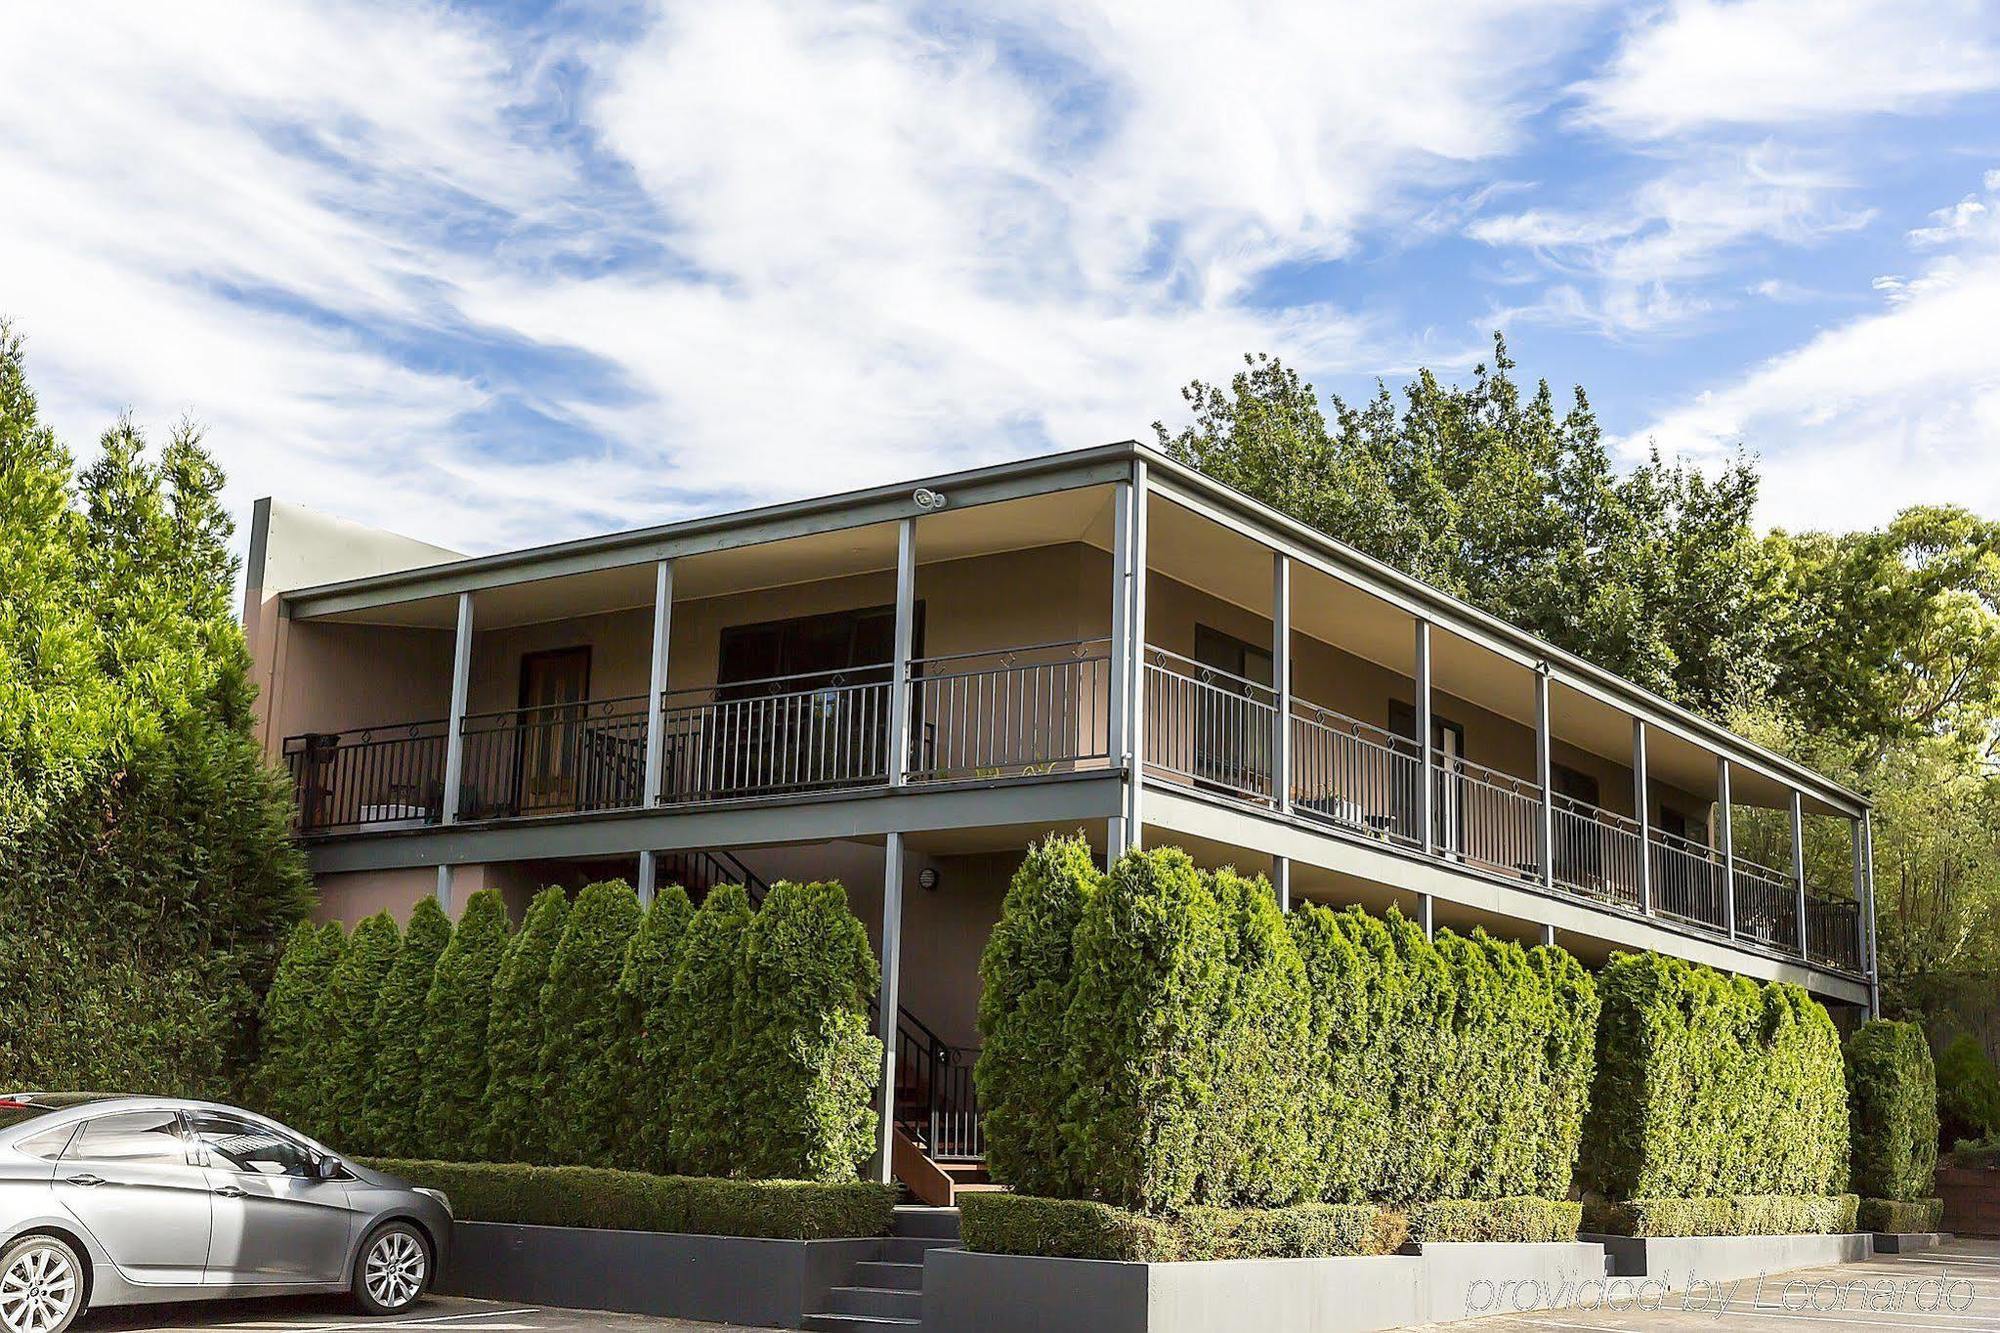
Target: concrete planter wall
{"type": "Point", "coordinates": [1971, 1200]}
{"type": "Point", "coordinates": [1676, 1259]}
{"type": "Point", "coordinates": [726, 1279]}
{"type": "Point", "coordinates": [966, 1292]}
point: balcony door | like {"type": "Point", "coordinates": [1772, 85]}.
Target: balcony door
{"type": "Point", "coordinates": [554, 688]}
{"type": "Point", "coordinates": [1448, 810]}
{"type": "Point", "coordinates": [1579, 849]}
{"type": "Point", "coordinates": [1232, 741]}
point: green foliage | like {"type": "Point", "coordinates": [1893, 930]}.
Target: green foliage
{"type": "Point", "coordinates": [645, 996]}
{"type": "Point", "coordinates": [1968, 1089]}
{"type": "Point", "coordinates": [1710, 1086]}
{"type": "Point", "coordinates": [1892, 1111]}
{"type": "Point", "coordinates": [452, 1048]}
{"type": "Point", "coordinates": [585, 1196]}
{"type": "Point", "coordinates": [394, 1086]}
{"type": "Point", "coordinates": [581, 1075]}
{"type": "Point", "coordinates": [147, 878]}
{"type": "Point", "coordinates": [1904, 1216]}
{"type": "Point", "coordinates": [1735, 1215]}
{"type": "Point", "coordinates": [514, 1120]}
{"type": "Point", "coordinates": [1026, 974]}
{"type": "Point", "coordinates": [294, 1043]}
{"type": "Point", "coordinates": [702, 1108]}
{"type": "Point", "coordinates": [1149, 957]}
{"type": "Point", "coordinates": [1514, 504]}
{"type": "Point", "coordinates": [352, 991]}
{"type": "Point", "coordinates": [1518, 1220]}
{"type": "Point", "coordinates": [805, 1060]}
{"type": "Point", "coordinates": [1082, 1229]}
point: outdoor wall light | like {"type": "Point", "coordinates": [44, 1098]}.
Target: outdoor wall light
{"type": "Point", "coordinates": [927, 878]}
{"type": "Point", "coordinates": [928, 499]}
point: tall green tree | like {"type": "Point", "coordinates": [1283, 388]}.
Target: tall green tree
{"type": "Point", "coordinates": [452, 1052]}
{"type": "Point", "coordinates": [582, 1075]}
{"type": "Point", "coordinates": [293, 1045]}
{"type": "Point", "coordinates": [645, 992]}
{"type": "Point", "coordinates": [515, 1126]}
{"type": "Point", "coordinates": [352, 991]}
{"type": "Point", "coordinates": [395, 1080]}
{"type": "Point", "coordinates": [703, 1099]}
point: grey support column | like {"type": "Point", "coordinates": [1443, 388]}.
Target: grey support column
{"type": "Point", "coordinates": [899, 671]}
{"type": "Point", "coordinates": [1725, 827]}
{"type": "Point", "coordinates": [1799, 865]}
{"type": "Point", "coordinates": [1281, 681]}
{"type": "Point", "coordinates": [454, 735]}
{"type": "Point", "coordinates": [1118, 712]}
{"type": "Point", "coordinates": [1873, 962]}
{"type": "Point", "coordinates": [1426, 787]}
{"type": "Point", "coordinates": [1426, 915]}
{"type": "Point", "coordinates": [1641, 804]}
{"type": "Point", "coordinates": [1545, 775]}
{"type": "Point", "coordinates": [1549, 936]}
{"type": "Point", "coordinates": [656, 700]}
{"type": "Point", "coordinates": [891, 998]}
{"type": "Point", "coordinates": [1281, 881]}
{"type": "Point", "coordinates": [1135, 820]}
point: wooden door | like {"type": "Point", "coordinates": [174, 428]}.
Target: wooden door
{"type": "Point", "coordinates": [554, 687]}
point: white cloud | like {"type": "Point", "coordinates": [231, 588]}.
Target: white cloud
{"type": "Point", "coordinates": [1700, 63]}
{"type": "Point", "coordinates": [890, 244]}
{"type": "Point", "coordinates": [1869, 417]}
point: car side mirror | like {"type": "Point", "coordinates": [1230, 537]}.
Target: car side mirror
{"type": "Point", "coordinates": [326, 1168]}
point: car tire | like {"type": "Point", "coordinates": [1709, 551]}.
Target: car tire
{"type": "Point", "coordinates": [42, 1285]}
{"type": "Point", "coordinates": [392, 1270]}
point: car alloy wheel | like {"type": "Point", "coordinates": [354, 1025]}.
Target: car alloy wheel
{"type": "Point", "coordinates": [39, 1287]}
{"type": "Point", "coordinates": [394, 1269]}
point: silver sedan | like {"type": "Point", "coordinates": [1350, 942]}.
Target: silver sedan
{"type": "Point", "coordinates": [110, 1200]}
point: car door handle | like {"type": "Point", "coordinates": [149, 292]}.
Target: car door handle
{"type": "Point", "coordinates": [230, 1191]}
{"type": "Point", "coordinates": [86, 1180]}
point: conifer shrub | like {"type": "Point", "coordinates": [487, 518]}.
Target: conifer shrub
{"type": "Point", "coordinates": [1026, 975]}
{"type": "Point", "coordinates": [1968, 1090]}
{"type": "Point", "coordinates": [395, 1078]}
{"type": "Point", "coordinates": [644, 995]}
{"type": "Point", "coordinates": [1140, 1031]}
{"type": "Point", "coordinates": [702, 1106]}
{"type": "Point", "coordinates": [1710, 1087]}
{"type": "Point", "coordinates": [452, 1052]}
{"type": "Point", "coordinates": [513, 1122]}
{"type": "Point", "coordinates": [805, 1061]}
{"type": "Point", "coordinates": [1892, 1112]}
{"type": "Point", "coordinates": [581, 1074]}
{"type": "Point", "coordinates": [352, 991]}
{"type": "Point", "coordinates": [293, 1042]}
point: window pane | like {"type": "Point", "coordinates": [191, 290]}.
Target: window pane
{"type": "Point", "coordinates": [131, 1136]}
{"type": "Point", "coordinates": [48, 1144]}
{"type": "Point", "coordinates": [235, 1144]}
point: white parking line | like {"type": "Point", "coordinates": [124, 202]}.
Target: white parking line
{"type": "Point", "coordinates": [442, 1323]}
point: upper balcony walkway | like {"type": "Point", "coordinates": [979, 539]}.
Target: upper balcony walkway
{"type": "Point", "coordinates": [1024, 713]}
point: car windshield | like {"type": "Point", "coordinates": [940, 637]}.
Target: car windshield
{"type": "Point", "coordinates": [17, 1108]}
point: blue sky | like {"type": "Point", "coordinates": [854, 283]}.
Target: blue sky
{"type": "Point", "coordinates": [506, 273]}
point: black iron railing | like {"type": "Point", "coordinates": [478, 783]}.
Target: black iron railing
{"type": "Point", "coordinates": [370, 777]}
{"type": "Point", "coordinates": [1011, 713]}
{"type": "Point", "coordinates": [559, 759]}
{"type": "Point", "coordinates": [806, 732]}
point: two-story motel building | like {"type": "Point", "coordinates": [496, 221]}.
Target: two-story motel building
{"type": "Point", "coordinates": [901, 687]}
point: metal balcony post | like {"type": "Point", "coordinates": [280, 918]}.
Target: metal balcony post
{"type": "Point", "coordinates": [1545, 775]}
{"type": "Point", "coordinates": [1426, 789]}
{"type": "Point", "coordinates": [1136, 626]}
{"type": "Point", "coordinates": [888, 1007]}
{"type": "Point", "coordinates": [454, 735]}
{"type": "Point", "coordinates": [899, 670]}
{"type": "Point", "coordinates": [1726, 835]}
{"type": "Point", "coordinates": [1119, 711]}
{"type": "Point", "coordinates": [1643, 807]}
{"type": "Point", "coordinates": [1281, 681]}
{"type": "Point", "coordinates": [1873, 961]}
{"type": "Point", "coordinates": [656, 730]}
{"type": "Point", "coordinates": [1799, 867]}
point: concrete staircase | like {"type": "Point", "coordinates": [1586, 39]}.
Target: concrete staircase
{"type": "Point", "coordinates": [887, 1291]}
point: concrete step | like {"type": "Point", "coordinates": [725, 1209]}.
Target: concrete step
{"type": "Point", "coordinates": [859, 1323]}
{"type": "Point", "coordinates": [921, 1220]}
{"type": "Point", "coordinates": [896, 1277]}
{"type": "Point", "coordinates": [911, 1249]}
{"type": "Point", "coordinates": [884, 1301]}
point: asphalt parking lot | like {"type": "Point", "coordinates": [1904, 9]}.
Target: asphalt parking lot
{"type": "Point", "coordinates": [1951, 1290]}
{"type": "Point", "coordinates": [333, 1314]}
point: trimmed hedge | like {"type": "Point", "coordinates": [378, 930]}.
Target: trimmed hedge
{"type": "Point", "coordinates": [1081, 1229]}
{"type": "Point", "coordinates": [349, 1015]}
{"type": "Point", "coordinates": [1901, 1215]}
{"type": "Point", "coordinates": [1710, 1087]}
{"type": "Point", "coordinates": [645, 995]}
{"type": "Point", "coordinates": [1739, 1215]}
{"type": "Point", "coordinates": [294, 1028]}
{"type": "Point", "coordinates": [1968, 1090]}
{"type": "Point", "coordinates": [514, 1127]}
{"type": "Point", "coordinates": [1892, 1111]}
{"type": "Point", "coordinates": [581, 1076]}
{"type": "Point", "coordinates": [702, 1105]}
{"type": "Point", "coordinates": [1026, 974]}
{"type": "Point", "coordinates": [1522, 1219]}
{"type": "Point", "coordinates": [588, 1196]}
{"type": "Point", "coordinates": [451, 1112]}
{"type": "Point", "coordinates": [393, 1086]}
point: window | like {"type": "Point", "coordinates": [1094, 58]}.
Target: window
{"type": "Point", "coordinates": [47, 1145]}
{"type": "Point", "coordinates": [236, 1144]}
{"type": "Point", "coordinates": [131, 1136]}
